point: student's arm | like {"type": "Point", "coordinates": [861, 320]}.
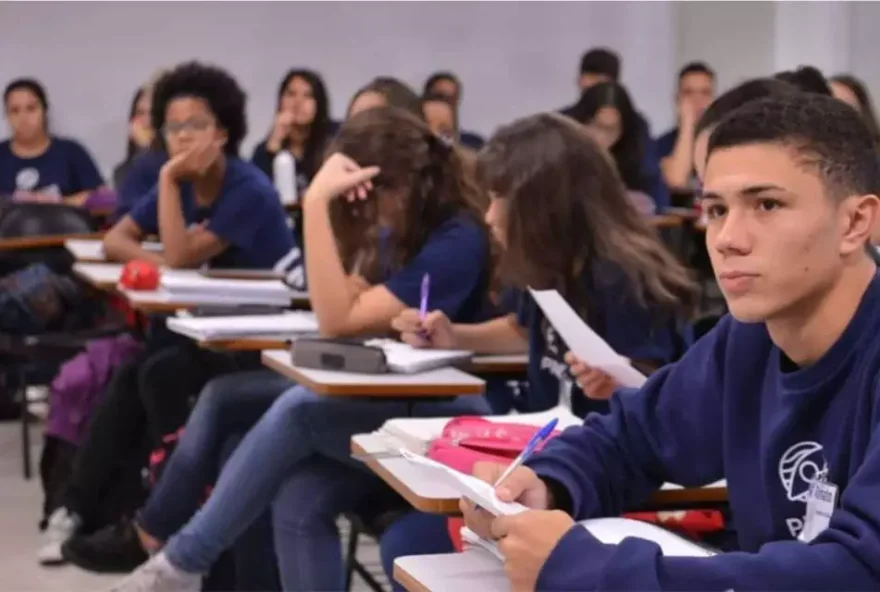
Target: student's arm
{"type": "Point", "coordinates": [678, 165]}
{"type": "Point", "coordinates": [846, 556]}
{"type": "Point", "coordinates": [182, 248]}
{"type": "Point", "coordinates": [503, 335]}
{"type": "Point", "coordinates": [86, 177]}
{"type": "Point", "coordinates": [123, 243]}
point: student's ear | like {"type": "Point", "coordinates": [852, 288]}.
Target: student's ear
{"type": "Point", "coordinates": [862, 214]}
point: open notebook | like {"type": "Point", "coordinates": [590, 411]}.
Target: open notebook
{"type": "Point", "coordinates": [607, 530]}
{"type": "Point", "coordinates": [416, 434]}
{"type": "Point", "coordinates": [406, 359]}
{"type": "Point", "coordinates": [193, 284]}
{"type": "Point", "coordinates": [583, 341]}
{"type": "Point", "coordinates": [289, 324]}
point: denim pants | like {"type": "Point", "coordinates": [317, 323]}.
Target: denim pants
{"type": "Point", "coordinates": [227, 408]}
{"type": "Point", "coordinates": [282, 446]}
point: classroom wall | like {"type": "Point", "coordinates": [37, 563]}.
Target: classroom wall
{"type": "Point", "coordinates": [514, 58]}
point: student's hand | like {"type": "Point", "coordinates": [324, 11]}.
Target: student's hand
{"type": "Point", "coordinates": [687, 115]}
{"type": "Point", "coordinates": [526, 541]}
{"type": "Point", "coordinates": [595, 383]}
{"type": "Point", "coordinates": [194, 162]}
{"type": "Point", "coordinates": [340, 175]}
{"type": "Point", "coordinates": [280, 130]}
{"type": "Point", "coordinates": [523, 486]}
{"type": "Point", "coordinates": [436, 331]}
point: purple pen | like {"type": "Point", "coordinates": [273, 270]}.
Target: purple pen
{"type": "Point", "coordinates": [538, 439]}
{"type": "Point", "coordinates": [423, 306]}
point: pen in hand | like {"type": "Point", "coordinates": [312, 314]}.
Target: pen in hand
{"type": "Point", "coordinates": [423, 306]}
{"type": "Point", "coordinates": [539, 437]}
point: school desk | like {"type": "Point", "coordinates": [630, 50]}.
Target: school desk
{"type": "Point", "coordinates": [409, 480]}
{"type": "Point", "coordinates": [474, 570]}
{"type": "Point", "coordinates": [665, 221]}
{"type": "Point", "coordinates": [43, 241]}
{"type": "Point", "coordinates": [92, 250]}
{"type": "Point", "coordinates": [443, 382]}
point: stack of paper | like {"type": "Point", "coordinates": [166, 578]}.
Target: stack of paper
{"type": "Point", "coordinates": [285, 325]}
{"type": "Point", "coordinates": [93, 250]}
{"type": "Point", "coordinates": [583, 341]}
{"type": "Point", "coordinates": [416, 434]}
{"type": "Point", "coordinates": [188, 286]}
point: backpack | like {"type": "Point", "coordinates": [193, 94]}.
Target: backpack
{"type": "Point", "coordinates": [35, 299]}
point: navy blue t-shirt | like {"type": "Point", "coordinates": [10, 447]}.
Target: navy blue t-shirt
{"type": "Point", "coordinates": [65, 168]}
{"type": "Point", "coordinates": [666, 143]}
{"type": "Point", "coordinates": [735, 407]}
{"type": "Point", "coordinates": [247, 214]}
{"type": "Point", "coordinates": [455, 256]}
{"type": "Point", "coordinates": [140, 179]}
{"type": "Point", "coordinates": [615, 315]}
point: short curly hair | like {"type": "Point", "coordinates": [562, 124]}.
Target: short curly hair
{"type": "Point", "coordinates": [215, 86]}
{"type": "Point", "coordinates": [826, 134]}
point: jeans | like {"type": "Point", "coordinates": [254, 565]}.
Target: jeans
{"type": "Point", "coordinates": [226, 409]}
{"type": "Point", "coordinates": [299, 425]}
{"type": "Point", "coordinates": [416, 533]}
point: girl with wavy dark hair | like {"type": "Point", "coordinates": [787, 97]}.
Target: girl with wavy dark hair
{"type": "Point", "coordinates": [389, 206]}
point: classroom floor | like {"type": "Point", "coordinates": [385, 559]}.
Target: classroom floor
{"type": "Point", "coordinates": [20, 503]}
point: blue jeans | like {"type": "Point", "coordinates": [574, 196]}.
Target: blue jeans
{"type": "Point", "coordinates": [227, 408]}
{"type": "Point", "coordinates": [300, 425]}
{"type": "Point", "coordinates": [416, 533]}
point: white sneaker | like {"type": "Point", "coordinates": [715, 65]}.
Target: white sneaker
{"type": "Point", "coordinates": [63, 524]}
{"type": "Point", "coordinates": [159, 575]}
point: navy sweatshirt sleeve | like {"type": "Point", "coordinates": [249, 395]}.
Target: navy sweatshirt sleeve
{"type": "Point", "coordinates": [671, 430]}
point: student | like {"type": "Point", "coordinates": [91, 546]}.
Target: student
{"type": "Point", "coordinates": [853, 92]}
{"type": "Point", "coordinates": [448, 85]}
{"type": "Point", "coordinates": [238, 222]}
{"type": "Point", "coordinates": [387, 205]}
{"type": "Point", "coordinates": [696, 89]}
{"type": "Point", "coordinates": [302, 125]}
{"type": "Point", "coordinates": [608, 114]}
{"type": "Point", "coordinates": [140, 133]}
{"type": "Point", "coordinates": [630, 289]}
{"type": "Point", "coordinates": [382, 92]}
{"type": "Point", "coordinates": [208, 204]}
{"type": "Point", "coordinates": [598, 65]}
{"type": "Point", "coordinates": [780, 398]}
{"type": "Point", "coordinates": [35, 165]}
{"type": "Point", "coordinates": [441, 116]}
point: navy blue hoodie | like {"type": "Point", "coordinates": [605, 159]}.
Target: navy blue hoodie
{"type": "Point", "coordinates": [734, 407]}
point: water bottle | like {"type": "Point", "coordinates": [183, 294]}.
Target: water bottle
{"type": "Point", "coordinates": [284, 176]}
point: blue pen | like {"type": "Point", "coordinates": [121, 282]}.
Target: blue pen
{"type": "Point", "coordinates": [536, 441]}
{"type": "Point", "coordinates": [423, 306]}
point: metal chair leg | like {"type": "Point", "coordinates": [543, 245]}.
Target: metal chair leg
{"type": "Point", "coordinates": [25, 425]}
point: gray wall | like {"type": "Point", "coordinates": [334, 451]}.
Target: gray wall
{"type": "Point", "coordinates": [514, 58]}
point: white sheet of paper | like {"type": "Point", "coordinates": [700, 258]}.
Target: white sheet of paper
{"type": "Point", "coordinates": [479, 492]}
{"type": "Point", "coordinates": [583, 342]}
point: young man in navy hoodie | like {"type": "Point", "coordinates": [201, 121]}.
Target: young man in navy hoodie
{"type": "Point", "coordinates": [781, 398]}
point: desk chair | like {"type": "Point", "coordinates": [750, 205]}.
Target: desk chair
{"type": "Point", "coordinates": [371, 517]}
{"type": "Point", "coordinates": [23, 353]}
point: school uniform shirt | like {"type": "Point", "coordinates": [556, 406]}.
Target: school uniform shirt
{"type": "Point", "coordinates": [616, 316]}
{"type": "Point", "coordinates": [735, 407]}
{"type": "Point", "coordinates": [247, 214]}
{"type": "Point", "coordinates": [455, 256]}
{"type": "Point", "coordinates": [264, 160]}
{"type": "Point", "coordinates": [141, 177]}
{"type": "Point", "coordinates": [471, 140]}
{"type": "Point", "coordinates": [65, 168]}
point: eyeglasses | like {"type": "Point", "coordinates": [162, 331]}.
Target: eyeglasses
{"type": "Point", "coordinates": [195, 125]}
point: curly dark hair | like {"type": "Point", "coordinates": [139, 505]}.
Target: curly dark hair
{"type": "Point", "coordinates": [216, 87]}
{"type": "Point", "coordinates": [807, 79]}
{"type": "Point", "coordinates": [826, 134]}
{"type": "Point", "coordinates": [750, 90]}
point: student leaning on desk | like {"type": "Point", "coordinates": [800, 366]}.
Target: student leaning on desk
{"type": "Point", "coordinates": [781, 398]}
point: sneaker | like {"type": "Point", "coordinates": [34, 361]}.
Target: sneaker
{"type": "Point", "coordinates": [113, 549]}
{"type": "Point", "coordinates": [63, 524]}
{"type": "Point", "coordinates": [159, 575]}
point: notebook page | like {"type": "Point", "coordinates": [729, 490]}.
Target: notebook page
{"type": "Point", "coordinates": [407, 359]}
{"type": "Point", "coordinates": [583, 341]}
{"type": "Point", "coordinates": [480, 492]}
{"type": "Point", "coordinates": [250, 326]}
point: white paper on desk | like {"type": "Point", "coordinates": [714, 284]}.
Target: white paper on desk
{"type": "Point", "coordinates": [583, 342]}
{"type": "Point", "coordinates": [405, 359]}
{"type": "Point", "coordinates": [479, 492]}
{"type": "Point", "coordinates": [193, 283]}
{"type": "Point", "coordinates": [206, 328]}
